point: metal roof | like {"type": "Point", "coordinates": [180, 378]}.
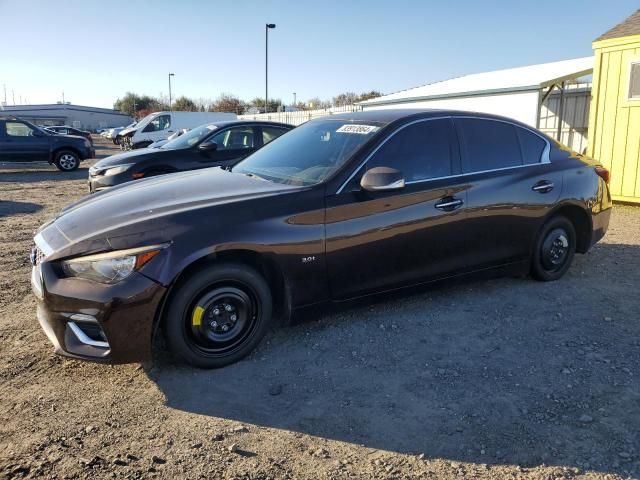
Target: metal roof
{"type": "Point", "coordinates": [531, 77]}
{"type": "Point", "coordinates": [59, 106]}
{"type": "Point", "coordinates": [629, 26]}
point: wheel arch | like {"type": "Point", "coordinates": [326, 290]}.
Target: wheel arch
{"type": "Point", "coordinates": [57, 150]}
{"type": "Point", "coordinates": [581, 221]}
{"type": "Point", "coordinates": [259, 261]}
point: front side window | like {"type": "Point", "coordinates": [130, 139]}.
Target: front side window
{"type": "Point", "coordinates": [308, 154]}
{"type": "Point", "coordinates": [634, 81]}
{"type": "Point", "coordinates": [237, 138]}
{"type": "Point", "coordinates": [488, 144]}
{"type": "Point", "coordinates": [18, 129]}
{"type": "Point", "coordinates": [420, 151]}
{"type": "Point", "coordinates": [271, 133]}
{"type": "Point", "coordinates": [190, 138]}
{"type": "Point", "coordinates": [161, 122]}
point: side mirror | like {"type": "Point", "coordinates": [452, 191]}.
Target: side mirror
{"type": "Point", "coordinates": [208, 147]}
{"type": "Point", "coordinates": [382, 179]}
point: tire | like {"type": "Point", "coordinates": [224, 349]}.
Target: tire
{"type": "Point", "coordinates": [554, 249]}
{"type": "Point", "coordinates": [67, 161]}
{"type": "Point", "coordinates": [116, 141]}
{"type": "Point", "coordinates": [219, 315]}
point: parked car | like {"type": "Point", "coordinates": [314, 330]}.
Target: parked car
{"type": "Point", "coordinates": [338, 208]}
{"type": "Point", "coordinates": [173, 136]}
{"type": "Point", "coordinates": [209, 145]}
{"type": "Point", "coordinates": [66, 130]}
{"type": "Point", "coordinates": [22, 141]}
{"type": "Point", "coordinates": [112, 133]}
{"type": "Point", "coordinates": [159, 125]}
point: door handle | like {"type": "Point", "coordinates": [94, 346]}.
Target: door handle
{"type": "Point", "coordinates": [449, 203]}
{"type": "Point", "coordinates": [543, 186]}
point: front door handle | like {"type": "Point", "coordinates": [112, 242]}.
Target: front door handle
{"type": "Point", "coordinates": [449, 203]}
{"type": "Point", "coordinates": [543, 186]}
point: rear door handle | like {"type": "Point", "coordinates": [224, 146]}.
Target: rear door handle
{"type": "Point", "coordinates": [449, 203]}
{"type": "Point", "coordinates": [543, 186]}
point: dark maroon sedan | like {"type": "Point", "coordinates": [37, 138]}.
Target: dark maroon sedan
{"type": "Point", "coordinates": [340, 207]}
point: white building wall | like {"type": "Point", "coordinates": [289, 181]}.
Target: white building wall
{"type": "Point", "coordinates": [520, 106]}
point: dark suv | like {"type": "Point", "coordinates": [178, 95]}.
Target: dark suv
{"type": "Point", "coordinates": [21, 141]}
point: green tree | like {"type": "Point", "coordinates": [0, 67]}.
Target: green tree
{"type": "Point", "coordinates": [227, 102]}
{"type": "Point", "coordinates": [347, 98]}
{"type": "Point", "coordinates": [133, 104]}
{"type": "Point", "coordinates": [184, 104]}
{"type": "Point", "coordinates": [367, 95]}
{"type": "Point", "coordinates": [258, 103]}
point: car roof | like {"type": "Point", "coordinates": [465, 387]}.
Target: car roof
{"type": "Point", "coordinates": [386, 116]}
{"type": "Point", "coordinates": [227, 123]}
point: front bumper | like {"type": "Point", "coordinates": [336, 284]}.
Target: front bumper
{"type": "Point", "coordinates": [97, 322]}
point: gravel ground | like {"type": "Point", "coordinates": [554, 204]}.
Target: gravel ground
{"type": "Point", "coordinates": [504, 378]}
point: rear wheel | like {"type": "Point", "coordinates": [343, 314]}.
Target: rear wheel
{"type": "Point", "coordinates": [554, 249]}
{"type": "Point", "coordinates": [67, 161]}
{"type": "Point", "coordinates": [219, 315]}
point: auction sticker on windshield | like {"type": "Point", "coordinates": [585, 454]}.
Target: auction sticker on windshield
{"type": "Point", "coordinates": [361, 129]}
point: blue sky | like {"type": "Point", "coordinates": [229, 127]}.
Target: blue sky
{"type": "Point", "coordinates": [97, 50]}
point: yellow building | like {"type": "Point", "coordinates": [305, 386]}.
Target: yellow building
{"type": "Point", "coordinates": [614, 121]}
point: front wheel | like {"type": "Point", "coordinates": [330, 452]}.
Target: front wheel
{"type": "Point", "coordinates": [67, 161]}
{"type": "Point", "coordinates": [554, 249]}
{"type": "Point", "coordinates": [219, 315]}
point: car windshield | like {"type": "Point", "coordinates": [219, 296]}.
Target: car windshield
{"type": "Point", "coordinates": [190, 138]}
{"type": "Point", "coordinates": [308, 154]}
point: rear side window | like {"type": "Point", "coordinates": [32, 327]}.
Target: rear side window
{"type": "Point", "coordinates": [420, 151]}
{"type": "Point", "coordinates": [532, 146]}
{"type": "Point", "coordinates": [271, 133]}
{"type": "Point", "coordinates": [488, 144]}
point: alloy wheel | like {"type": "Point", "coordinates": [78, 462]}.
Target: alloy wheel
{"type": "Point", "coordinates": [67, 161]}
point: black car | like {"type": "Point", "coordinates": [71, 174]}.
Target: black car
{"type": "Point", "coordinates": [66, 130]}
{"type": "Point", "coordinates": [340, 207]}
{"type": "Point", "coordinates": [213, 144]}
{"type": "Point", "coordinates": [21, 141]}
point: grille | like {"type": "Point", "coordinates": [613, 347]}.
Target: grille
{"type": "Point", "coordinates": [36, 256]}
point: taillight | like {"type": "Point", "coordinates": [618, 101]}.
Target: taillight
{"type": "Point", "coordinates": [604, 174]}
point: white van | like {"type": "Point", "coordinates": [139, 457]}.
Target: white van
{"type": "Point", "coordinates": [159, 125]}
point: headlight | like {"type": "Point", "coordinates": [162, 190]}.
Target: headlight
{"type": "Point", "coordinates": [117, 169]}
{"type": "Point", "coordinates": [110, 267]}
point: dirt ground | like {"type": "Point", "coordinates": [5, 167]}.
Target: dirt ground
{"type": "Point", "coordinates": [504, 378]}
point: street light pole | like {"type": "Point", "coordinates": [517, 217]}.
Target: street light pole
{"type": "Point", "coordinates": [266, 65]}
{"type": "Point", "coordinates": [294, 99]}
{"type": "Point", "coordinates": [170, 75]}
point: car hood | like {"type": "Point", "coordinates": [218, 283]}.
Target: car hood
{"type": "Point", "coordinates": [126, 131]}
{"type": "Point", "coordinates": [134, 204]}
{"type": "Point", "coordinates": [132, 156]}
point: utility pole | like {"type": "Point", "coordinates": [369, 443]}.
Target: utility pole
{"type": "Point", "coordinates": [266, 65]}
{"type": "Point", "coordinates": [294, 99]}
{"type": "Point", "coordinates": [13, 96]}
{"type": "Point", "coordinates": [63, 97]}
{"type": "Point", "coordinates": [5, 93]}
{"type": "Point", "coordinates": [170, 75]}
